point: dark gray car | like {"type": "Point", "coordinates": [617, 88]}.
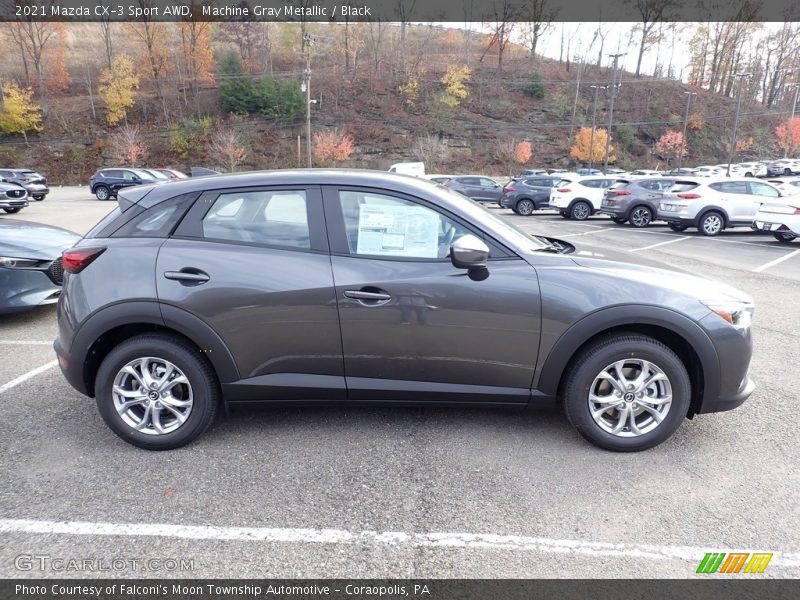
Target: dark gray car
{"type": "Point", "coordinates": [481, 189]}
{"type": "Point", "coordinates": [529, 194]}
{"type": "Point", "coordinates": [311, 287]}
{"type": "Point", "coordinates": [30, 263]}
{"type": "Point", "coordinates": [635, 201]}
{"type": "Point", "coordinates": [34, 183]}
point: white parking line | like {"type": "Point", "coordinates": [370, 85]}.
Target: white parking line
{"type": "Point", "coordinates": [386, 538]}
{"type": "Point", "coordinates": [678, 239]}
{"type": "Point", "coordinates": [26, 376]}
{"type": "Point", "coordinates": [26, 343]}
{"type": "Point", "coordinates": [772, 263]}
{"type": "Point", "coordinates": [585, 232]}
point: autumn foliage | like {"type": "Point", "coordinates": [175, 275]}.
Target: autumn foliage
{"type": "Point", "coordinates": [788, 136]}
{"type": "Point", "coordinates": [523, 152]}
{"type": "Point", "coordinates": [20, 113]}
{"type": "Point", "coordinates": [585, 147]}
{"type": "Point", "coordinates": [117, 87]}
{"type": "Point", "coordinates": [227, 145]}
{"type": "Point", "coordinates": [128, 146]}
{"type": "Point", "coordinates": [671, 145]}
{"type": "Point", "coordinates": [330, 147]}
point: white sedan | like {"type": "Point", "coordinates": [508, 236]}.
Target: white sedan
{"type": "Point", "coordinates": [781, 220]}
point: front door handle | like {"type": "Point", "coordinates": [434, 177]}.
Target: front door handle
{"type": "Point", "coordinates": [367, 295]}
{"type": "Point", "coordinates": [188, 276]}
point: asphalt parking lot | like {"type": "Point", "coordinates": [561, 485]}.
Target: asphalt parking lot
{"type": "Point", "coordinates": [413, 492]}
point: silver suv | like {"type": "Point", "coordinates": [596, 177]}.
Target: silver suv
{"type": "Point", "coordinates": [309, 287]}
{"type": "Point", "coordinates": [714, 204]}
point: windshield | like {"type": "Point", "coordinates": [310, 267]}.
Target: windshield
{"type": "Point", "coordinates": [511, 234]}
{"type": "Point", "coordinates": [144, 174]}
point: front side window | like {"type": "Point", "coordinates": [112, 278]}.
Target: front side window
{"type": "Point", "coordinates": [488, 182]}
{"type": "Point", "coordinates": [273, 218]}
{"type": "Point", "coordinates": [384, 226]}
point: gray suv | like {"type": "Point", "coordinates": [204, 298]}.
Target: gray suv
{"type": "Point", "coordinates": [311, 287]}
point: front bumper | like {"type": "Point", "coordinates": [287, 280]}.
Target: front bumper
{"type": "Point", "coordinates": [23, 289]}
{"type": "Point", "coordinates": [13, 203]}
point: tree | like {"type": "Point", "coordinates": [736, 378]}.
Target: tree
{"type": "Point", "coordinates": [535, 89]}
{"type": "Point", "coordinates": [696, 122]}
{"type": "Point", "coordinates": [197, 56]}
{"type": "Point", "coordinates": [19, 113]}
{"type": "Point", "coordinates": [523, 152]}
{"type": "Point", "coordinates": [585, 146]}
{"type": "Point", "coordinates": [455, 88]}
{"type": "Point", "coordinates": [331, 147]}
{"type": "Point", "coordinates": [227, 144]}
{"type": "Point", "coordinates": [117, 87]}
{"type": "Point", "coordinates": [503, 22]}
{"type": "Point", "coordinates": [652, 13]}
{"type": "Point", "coordinates": [32, 38]}
{"type": "Point", "coordinates": [432, 150]}
{"type": "Point", "coordinates": [788, 136]}
{"type": "Point", "coordinates": [540, 16]}
{"type": "Point", "coordinates": [155, 42]}
{"type": "Point", "coordinates": [410, 91]}
{"type": "Point", "coordinates": [671, 145]}
{"type": "Point", "coordinates": [128, 146]}
{"type": "Point", "coordinates": [512, 153]}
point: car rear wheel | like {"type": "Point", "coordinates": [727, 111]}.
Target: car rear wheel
{"type": "Point", "coordinates": [102, 192]}
{"type": "Point", "coordinates": [786, 238]}
{"type": "Point", "coordinates": [787, 172]}
{"type": "Point", "coordinates": [13, 210]}
{"type": "Point", "coordinates": [156, 392]}
{"type": "Point", "coordinates": [38, 197]}
{"type": "Point", "coordinates": [711, 223]}
{"type": "Point", "coordinates": [641, 216]}
{"type": "Point", "coordinates": [580, 211]}
{"type": "Point", "coordinates": [748, 174]}
{"type": "Point", "coordinates": [627, 392]}
{"type": "Point", "coordinates": [524, 207]}
{"type": "Point", "coordinates": [678, 227]}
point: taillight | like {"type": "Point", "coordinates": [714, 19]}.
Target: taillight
{"type": "Point", "coordinates": [563, 190]}
{"type": "Point", "coordinates": [509, 188]}
{"type": "Point", "coordinates": [77, 259]}
{"type": "Point", "coordinates": [689, 196]}
{"type": "Point", "coordinates": [619, 193]}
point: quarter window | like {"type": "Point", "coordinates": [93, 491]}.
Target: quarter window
{"type": "Point", "coordinates": [272, 218]}
{"type": "Point", "coordinates": [383, 226]}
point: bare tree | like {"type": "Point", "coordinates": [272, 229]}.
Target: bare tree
{"type": "Point", "coordinates": [540, 15]}
{"type": "Point", "coordinates": [433, 151]}
{"type": "Point", "coordinates": [227, 144]}
{"type": "Point", "coordinates": [652, 13]}
{"type": "Point", "coordinates": [503, 15]}
{"type": "Point", "coordinates": [128, 147]}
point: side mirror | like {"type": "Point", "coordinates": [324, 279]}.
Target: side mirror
{"type": "Point", "coordinates": [470, 252]}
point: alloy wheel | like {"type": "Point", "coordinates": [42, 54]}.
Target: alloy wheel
{"type": "Point", "coordinates": [712, 224]}
{"type": "Point", "coordinates": [641, 217]}
{"type": "Point", "coordinates": [525, 207]}
{"type": "Point", "coordinates": [630, 397]}
{"type": "Point", "coordinates": [580, 211]}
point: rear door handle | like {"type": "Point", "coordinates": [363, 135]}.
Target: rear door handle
{"type": "Point", "coordinates": [365, 295]}
{"type": "Point", "coordinates": [194, 276]}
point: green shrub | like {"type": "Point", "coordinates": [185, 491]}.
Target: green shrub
{"type": "Point", "coordinates": [535, 89]}
{"type": "Point", "coordinates": [625, 135]}
{"type": "Point", "coordinates": [269, 97]}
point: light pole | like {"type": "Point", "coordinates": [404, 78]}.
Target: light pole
{"type": "Point", "coordinates": [594, 122]}
{"type": "Point", "coordinates": [731, 154]}
{"type": "Point", "coordinates": [685, 125]}
{"type": "Point", "coordinates": [796, 87]}
{"type": "Point", "coordinates": [611, 108]}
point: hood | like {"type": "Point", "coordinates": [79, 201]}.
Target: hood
{"type": "Point", "coordinates": [6, 185]}
{"type": "Point", "coordinates": [23, 239]}
{"type": "Point", "coordinates": [641, 269]}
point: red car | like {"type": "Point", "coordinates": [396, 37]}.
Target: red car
{"type": "Point", "coordinates": [173, 174]}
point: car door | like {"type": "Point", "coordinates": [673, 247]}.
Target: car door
{"type": "Point", "coordinates": [415, 328]}
{"type": "Point", "coordinates": [760, 193]}
{"type": "Point", "coordinates": [471, 187]}
{"type": "Point", "coordinates": [734, 197]}
{"type": "Point", "coordinates": [253, 264]}
{"type": "Point", "coordinates": [490, 189]}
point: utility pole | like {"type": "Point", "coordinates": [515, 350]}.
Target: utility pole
{"type": "Point", "coordinates": [732, 153]}
{"type": "Point", "coordinates": [307, 87]}
{"type": "Point", "coordinates": [685, 125]}
{"type": "Point", "coordinates": [594, 123]}
{"type": "Point", "coordinates": [611, 107]}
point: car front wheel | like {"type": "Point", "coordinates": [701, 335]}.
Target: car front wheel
{"type": "Point", "coordinates": [38, 197]}
{"type": "Point", "coordinates": [786, 238]}
{"type": "Point", "coordinates": [524, 207]}
{"type": "Point", "coordinates": [13, 210]}
{"type": "Point", "coordinates": [627, 392]}
{"type": "Point", "coordinates": [580, 211]}
{"type": "Point", "coordinates": [156, 392]}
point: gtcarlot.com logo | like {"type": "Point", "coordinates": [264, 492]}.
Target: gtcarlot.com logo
{"type": "Point", "coordinates": [47, 562]}
{"type": "Point", "coordinates": [734, 562]}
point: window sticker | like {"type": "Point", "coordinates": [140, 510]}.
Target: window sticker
{"type": "Point", "coordinates": [398, 231]}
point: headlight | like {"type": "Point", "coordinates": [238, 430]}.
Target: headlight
{"type": "Point", "coordinates": [10, 262]}
{"type": "Point", "coordinates": [738, 314]}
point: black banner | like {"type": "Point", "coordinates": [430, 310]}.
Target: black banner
{"type": "Point", "coordinates": [489, 11]}
{"type": "Point", "coordinates": [741, 587]}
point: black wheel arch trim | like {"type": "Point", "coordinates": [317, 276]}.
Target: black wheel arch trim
{"type": "Point", "coordinates": [550, 370]}
{"type": "Point", "coordinates": [154, 313]}
{"type": "Point", "coordinates": [713, 208]}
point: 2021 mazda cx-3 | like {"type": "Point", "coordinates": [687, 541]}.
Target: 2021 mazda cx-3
{"type": "Point", "coordinates": [363, 287]}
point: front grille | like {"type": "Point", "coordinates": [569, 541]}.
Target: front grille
{"type": "Point", "coordinates": [56, 271]}
{"type": "Point", "coordinates": [15, 193]}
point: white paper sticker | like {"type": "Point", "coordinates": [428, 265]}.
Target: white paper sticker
{"type": "Point", "coordinates": [398, 231]}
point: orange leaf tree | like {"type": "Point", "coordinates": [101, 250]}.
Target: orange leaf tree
{"type": "Point", "coordinates": [671, 145]}
{"type": "Point", "coordinates": [331, 147]}
{"type": "Point", "coordinates": [585, 147]}
{"type": "Point", "coordinates": [523, 152]}
{"type": "Point", "coordinates": [788, 136]}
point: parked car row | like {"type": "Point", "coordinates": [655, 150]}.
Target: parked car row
{"type": "Point", "coordinates": [106, 183]}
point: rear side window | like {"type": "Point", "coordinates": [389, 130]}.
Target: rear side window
{"type": "Point", "coordinates": [158, 221]}
{"type": "Point", "coordinates": [272, 218]}
{"type": "Point", "coordinates": [683, 186]}
{"type": "Point", "coordinates": [563, 183]}
{"type": "Point", "coordinates": [469, 180]}
{"type": "Point", "coordinates": [618, 185]}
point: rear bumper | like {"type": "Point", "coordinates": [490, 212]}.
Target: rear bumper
{"type": "Point", "coordinates": [72, 370]}
{"type": "Point", "coordinates": [672, 218]}
{"type": "Point", "coordinates": [614, 211]}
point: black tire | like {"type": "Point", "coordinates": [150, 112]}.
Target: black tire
{"type": "Point", "coordinates": [102, 192]}
{"type": "Point", "coordinates": [38, 197]}
{"type": "Point", "coordinates": [678, 227]}
{"type": "Point", "coordinates": [640, 216]}
{"type": "Point", "coordinates": [566, 215]}
{"type": "Point", "coordinates": [711, 223]}
{"type": "Point", "coordinates": [787, 171]}
{"type": "Point", "coordinates": [786, 238]}
{"type": "Point", "coordinates": [618, 220]}
{"type": "Point", "coordinates": [581, 210]}
{"type": "Point", "coordinates": [201, 376]}
{"type": "Point", "coordinates": [13, 210]}
{"type": "Point", "coordinates": [525, 207]}
{"type": "Point", "coordinates": [748, 174]}
{"type": "Point", "coordinates": [595, 359]}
